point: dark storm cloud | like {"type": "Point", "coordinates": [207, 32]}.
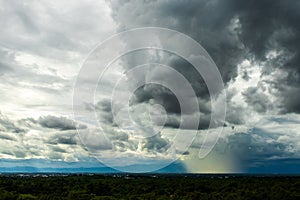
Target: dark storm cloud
{"type": "Point", "coordinates": [270, 24]}
{"type": "Point", "coordinates": [230, 31]}
{"type": "Point", "coordinates": [174, 121]}
{"type": "Point", "coordinates": [161, 95]}
{"type": "Point", "coordinates": [166, 97]}
{"type": "Point", "coordinates": [209, 22]}
{"type": "Point", "coordinates": [60, 123]}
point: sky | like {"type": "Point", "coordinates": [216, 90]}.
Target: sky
{"type": "Point", "coordinates": [57, 113]}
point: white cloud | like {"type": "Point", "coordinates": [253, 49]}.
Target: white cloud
{"type": "Point", "coordinates": [42, 47]}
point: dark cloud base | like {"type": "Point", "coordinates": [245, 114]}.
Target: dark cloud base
{"type": "Point", "coordinates": [231, 31]}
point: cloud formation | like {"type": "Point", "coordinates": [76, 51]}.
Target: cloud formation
{"type": "Point", "coordinates": [265, 33]}
{"type": "Point", "coordinates": [61, 123]}
{"type": "Point", "coordinates": [256, 48]}
{"type": "Point", "coordinates": [255, 44]}
{"type": "Point", "coordinates": [49, 137]}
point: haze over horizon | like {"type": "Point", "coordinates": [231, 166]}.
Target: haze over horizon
{"type": "Point", "coordinates": [254, 44]}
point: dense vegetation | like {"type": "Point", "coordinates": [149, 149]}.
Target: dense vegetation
{"type": "Point", "coordinates": [148, 187]}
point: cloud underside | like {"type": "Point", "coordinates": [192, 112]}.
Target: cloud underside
{"type": "Point", "coordinates": [255, 46]}
{"type": "Point", "coordinates": [56, 138]}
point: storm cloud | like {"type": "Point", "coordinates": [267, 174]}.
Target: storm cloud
{"type": "Point", "coordinates": [264, 32]}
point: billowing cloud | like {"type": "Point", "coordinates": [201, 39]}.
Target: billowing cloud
{"type": "Point", "coordinates": [231, 32]}
{"type": "Point", "coordinates": [61, 123]}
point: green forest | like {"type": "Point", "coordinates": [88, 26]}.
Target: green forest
{"type": "Point", "coordinates": [148, 187]}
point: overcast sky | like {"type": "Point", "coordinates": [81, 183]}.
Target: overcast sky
{"type": "Point", "coordinates": [254, 44]}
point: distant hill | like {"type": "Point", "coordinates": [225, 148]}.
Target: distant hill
{"type": "Point", "coordinates": [50, 166]}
